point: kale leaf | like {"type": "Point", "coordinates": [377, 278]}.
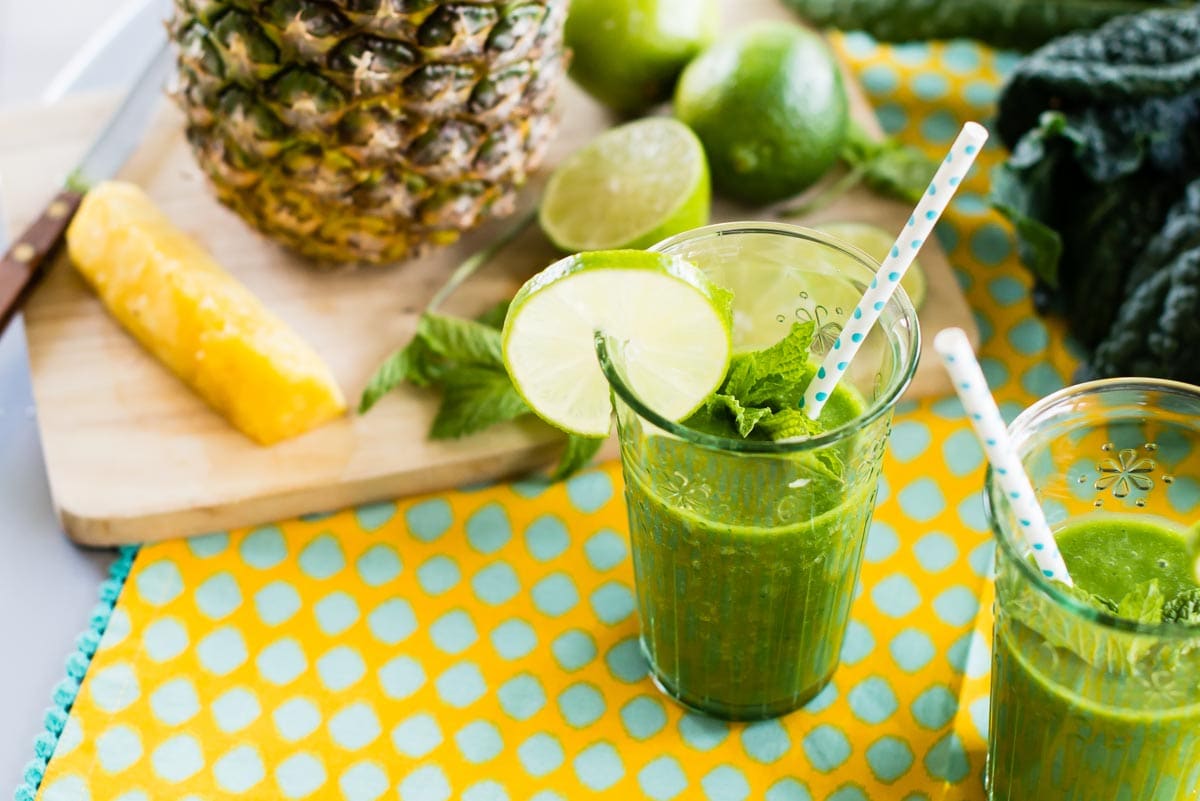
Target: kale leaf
{"type": "Point", "coordinates": [1104, 128]}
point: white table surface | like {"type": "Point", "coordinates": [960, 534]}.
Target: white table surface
{"type": "Point", "coordinates": [47, 585]}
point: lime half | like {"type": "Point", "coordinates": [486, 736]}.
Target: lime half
{"type": "Point", "coordinates": [630, 187]}
{"type": "Point", "coordinates": [673, 321]}
{"type": "Point", "coordinates": [876, 243]}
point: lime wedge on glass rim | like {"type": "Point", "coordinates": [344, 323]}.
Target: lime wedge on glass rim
{"type": "Point", "coordinates": [673, 322]}
{"type": "Point", "coordinates": [630, 187]}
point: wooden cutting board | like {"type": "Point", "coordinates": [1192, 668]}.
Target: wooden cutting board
{"type": "Point", "coordinates": [133, 456]}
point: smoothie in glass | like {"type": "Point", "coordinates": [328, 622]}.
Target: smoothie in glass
{"type": "Point", "coordinates": [747, 549]}
{"type": "Point", "coordinates": [1096, 688]}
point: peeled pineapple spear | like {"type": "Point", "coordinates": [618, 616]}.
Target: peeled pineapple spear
{"type": "Point", "coordinates": [367, 130]}
{"type": "Point", "coordinates": [197, 319]}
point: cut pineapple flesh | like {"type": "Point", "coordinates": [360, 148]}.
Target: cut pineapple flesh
{"type": "Point", "coordinates": [170, 294]}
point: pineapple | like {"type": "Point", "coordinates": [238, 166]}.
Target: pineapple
{"type": "Point", "coordinates": [196, 319]}
{"type": "Point", "coordinates": [366, 130]}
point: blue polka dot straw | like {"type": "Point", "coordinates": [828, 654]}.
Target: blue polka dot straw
{"type": "Point", "coordinates": [960, 362]}
{"type": "Point", "coordinates": [915, 232]}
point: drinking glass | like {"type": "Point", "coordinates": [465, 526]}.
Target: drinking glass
{"type": "Point", "coordinates": [746, 553]}
{"type": "Point", "coordinates": [1085, 705]}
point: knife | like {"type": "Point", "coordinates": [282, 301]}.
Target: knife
{"type": "Point", "coordinates": [23, 264]}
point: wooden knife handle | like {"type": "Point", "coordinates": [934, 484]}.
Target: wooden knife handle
{"type": "Point", "coordinates": [25, 261]}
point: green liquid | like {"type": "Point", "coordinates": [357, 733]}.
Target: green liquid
{"type": "Point", "coordinates": [745, 569]}
{"type": "Point", "coordinates": [1111, 556]}
{"type": "Point", "coordinates": [1091, 714]}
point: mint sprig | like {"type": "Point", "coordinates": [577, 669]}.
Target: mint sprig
{"type": "Point", "coordinates": [463, 358]}
{"type": "Point", "coordinates": [760, 399]}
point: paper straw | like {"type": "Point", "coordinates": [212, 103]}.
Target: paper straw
{"type": "Point", "coordinates": [919, 228]}
{"type": "Point", "coordinates": [959, 361]}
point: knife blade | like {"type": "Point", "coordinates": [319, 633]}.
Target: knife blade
{"type": "Point", "coordinates": [23, 264]}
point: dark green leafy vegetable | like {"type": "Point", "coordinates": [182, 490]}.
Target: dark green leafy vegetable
{"type": "Point", "coordinates": [1183, 608]}
{"type": "Point", "coordinates": [463, 359]}
{"type": "Point", "coordinates": [1104, 129]}
{"type": "Point", "coordinates": [1019, 24]}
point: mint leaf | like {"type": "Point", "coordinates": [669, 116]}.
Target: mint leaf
{"type": "Point", "coordinates": [464, 342]}
{"type": "Point", "coordinates": [494, 317]}
{"type": "Point", "coordinates": [1183, 608]}
{"type": "Point", "coordinates": [475, 398]}
{"type": "Point", "coordinates": [774, 376]}
{"type": "Point", "coordinates": [788, 424]}
{"type": "Point", "coordinates": [1097, 602]}
{"type": "Point", "coordinates": [576, 456]}
{"type": "Point", "coordinates": [414, 363]}
{"type": "Point", "coordinates": [888, 167]}
{"type": "Point", "coordinates": [1144, 604]}
{"type": "Point", "coordinates": [744, 419]}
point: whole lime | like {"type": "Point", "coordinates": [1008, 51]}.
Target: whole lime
{"type": "Point", "coordinates": [629, 53]}
{"type": "Point", "coordinates": [769, 105]}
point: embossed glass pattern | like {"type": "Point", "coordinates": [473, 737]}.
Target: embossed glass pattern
{"type": "Point", "coordinates": [1085, 705]}
{"type": "Point", "coordinates": [746, 553]}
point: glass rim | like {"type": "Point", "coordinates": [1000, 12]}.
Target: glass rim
{"type": "Point", "coordinates": [991, 495]}
{"type": "Point", "coordinates": [877, 408]}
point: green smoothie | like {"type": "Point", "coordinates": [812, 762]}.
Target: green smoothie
{"type": "Point", "coordinates": [746, 563]}
{"type": "Point", "coordinates": [1084, 710]}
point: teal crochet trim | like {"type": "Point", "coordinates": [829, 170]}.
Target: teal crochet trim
{"type": "Point", "coordinates": [77, 667]}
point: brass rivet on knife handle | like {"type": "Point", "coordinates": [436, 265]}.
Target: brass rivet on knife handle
{"type": "Point", "coordinates": [23, 264]}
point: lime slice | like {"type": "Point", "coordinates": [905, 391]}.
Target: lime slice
{"type": "Point", "coordinates": [630, 187]}
{"type": "Point", "coordinates": [673, 321]}
{"type": "Point", "coordinates": [876, 243]}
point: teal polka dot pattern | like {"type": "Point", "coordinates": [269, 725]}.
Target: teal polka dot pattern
{"type": "Point", "coordinates": [118, 749]}
{"type": "Point", "coordinates": [889, 758]}
{"type": "Point", "coordinates": [574, 649]}
{"type": "Point", "coordinates": [428, 521]}
{"type": "Point", "coordinates": [488, 530]}
{"type": "Point", "coordinates": [479, 742]}
{"type": "Point", "coordinates": [546, 538]}
{"type": "Point", "coordinates": [296, 719]}
{"type": "Point", "coordinates": [514, 639]}
{"type": "Point", "coordinates": [522, 697]}
{"type": "Point", "coordinates": [322, 558]}
{"type": "Point", "coordinates": [236, 709]}
{"type": "Point", "coordinates": [178, 759]}
{"type": "Point", "coordinates": [239, 770]}
{"type": "Point", "coordinates": [599, 766]}
{"type": "Point", "coordinates": [935, 707]}
{"type": "Point", "coordinates": [702, 733]}
{"type": "Point", "coordinates": [662, 779]}
{"type": "Point", "coordinates": [461, 685]}
{"type": "Point", "coordinates": [378, 565]}
{"type": "Point", "coordinates": [826, 748]}
{"type": "Point", "coordinates": [340, 668]}
{"type": "Point", "coordinates": [363, 781]}
{"type": "Point", "coordinates": [873, 701]}
{"type": "Point", "coordinates": [438, 575]}
{"type": "Point", "coordinates": [643, 717]}
{"type": "Point", "coordinates": [581, 705]}
{"type": "Point", "coordinates": [277, 603]}
{"type": "Point", "coordinates": [766, 741]}
{"type": "Point", "coordinates": [175, 702]}
{"type": "Point", "coordinates": [417, 736]}
{"type": "Point", "coordinates": [541, 754]}
{"type": "Point", "coordinates": [725, 783]}
{"type": "Point", "coordinates": [222, 651]}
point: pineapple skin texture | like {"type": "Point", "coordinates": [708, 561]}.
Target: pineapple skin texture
{"type": "Point", "coordinates": [365, 131]}
{"type": "Point", "coordinates": [166, 291]}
